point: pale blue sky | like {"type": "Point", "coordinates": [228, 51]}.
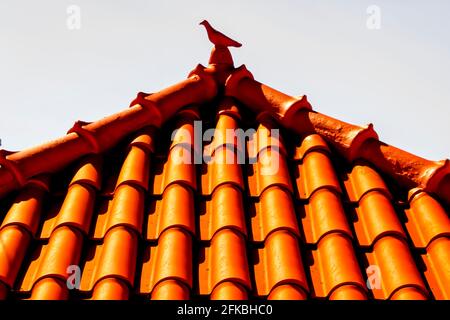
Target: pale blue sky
{"type": "Point", "coordinates": [397, 77]}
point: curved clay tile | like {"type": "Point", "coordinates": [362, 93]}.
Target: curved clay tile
{"type": "Point", "coordinates": [315, 172]}
{"type": "Point", "coordinates": [50, 289]}
{"type": "Point", "coordinates": [88, 172]}
{"type": "Point", "coordinates": [318, 183]}
{"type": "Point", "coordinates": [27, 207]}
{"type": "Point", "coordinates": [269, 170]}
{"type": "Point", "coordinates": [397, 268]}
{"type": "Point", "coordinates": [223, 168]}
{"type": "Point", "coordinates": [265, 138]}
{"type": "Point", "coordinates": [427, 219]}
{"type": "Point", "coordinates": [363, 179]}
{"type": "Point", "coordinates": [348, 292]}
{"type": "Point", "coordinates": [228, 117]}
{"type": "Point", "coordinates": [168, 271]}
{"type": "Point", "coordinates": [228, 290]}
{"type": "Point", "coordinates": [115, 258]}
{"type": "Point", "coordinates": [408, 293]}
{"type": "Point", "coordinates": [111, 289]}
{"type": "Point", "coordinates": [334, 265]}
{"type": "Point", "coordinates": [224, 210]}
{"type": "Point", "coordinates": [375, 218]}
{"type": "Point", "coordinates": [136, 167]}
{"type": "Point", "coordinates": [287, 292]}
{"type": "Point", "coordinates": [46, 276]}
{"type": "Point", "coordinates": [179, 166]}
{"type": "Point", "coordinates": [78, 205]}
{"type": "Point", "coordinates": [127, 209]}
{"type": "Point", "coordinates": [223, 179]}
{"type": "Point", "coordinates": [170, 290]}
{"type": "Point", "coordinates": [225, 260]}
{"type": "Point", "coordinates": [184, 134]}
{"type": "Point", "coordinates": [268, 218]}
{"type": "Point", "coordinates": [176, 209]}
{"type": "Point", "coordinates": [437, 273]}
{"type": "Point", "coordinates": [15, 241]}
{"type": "Point", "coordinates": [279, 262]}
{"type": "Point", "coordinates": [312, 142]}
{"type": "Point", "coordinates": [324, 214]}
{"type": "Point", "coordinates": [76, 210]}
{"type": "Point", "coordinates": [127, 205]}
{"type": "Point", "coordinates": [225, 150]}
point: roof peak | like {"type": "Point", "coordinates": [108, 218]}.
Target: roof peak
{"type": "Point", "coordinates": [203, 86]}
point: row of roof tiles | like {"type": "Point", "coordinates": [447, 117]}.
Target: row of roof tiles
{"type": "Point", "coordinates": [225, 265]}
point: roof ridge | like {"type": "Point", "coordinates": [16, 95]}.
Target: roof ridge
{"type": "Point", "coordinates": [96, 137]}
{"type": "Point", "coordinates": [352, 141]}
{"type": "Point", "coordinates": [203, 85]}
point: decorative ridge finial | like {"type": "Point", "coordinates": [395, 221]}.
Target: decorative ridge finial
{"type": "Point", "coordinates": [220, 53]}
{"type": "Point", "coordinates": [218, 38]}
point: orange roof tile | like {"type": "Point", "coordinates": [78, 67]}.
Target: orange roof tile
{"type": "Point", "coordinates": [398, 270]}
{"type": "Point", "coordinates": [225, 209]}
{"type": "Point", "coordinates": [163, 264]}
{"type": "Point", "coordinates": [224, 260]}
{"type": "Point", "coordinates": [334, 265]}
{"type": "Point", "coordinates": [279, 262]}
{"type": "Point", "coordinates": [437, 261]}
{"type": "Point", "coordinates": [324, 214]}
{"type": "Point", "coordinates": [426, 219]}
{"type": "Point", "coordinates": [323, 210]}
{"type": "Point", "coordinates": [266, 217]}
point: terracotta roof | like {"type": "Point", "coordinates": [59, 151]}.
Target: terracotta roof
{"type": "Point", "coordinates": [344, 216]}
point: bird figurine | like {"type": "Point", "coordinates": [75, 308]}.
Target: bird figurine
{"type": "Point", "coordinates": [218, 38]}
